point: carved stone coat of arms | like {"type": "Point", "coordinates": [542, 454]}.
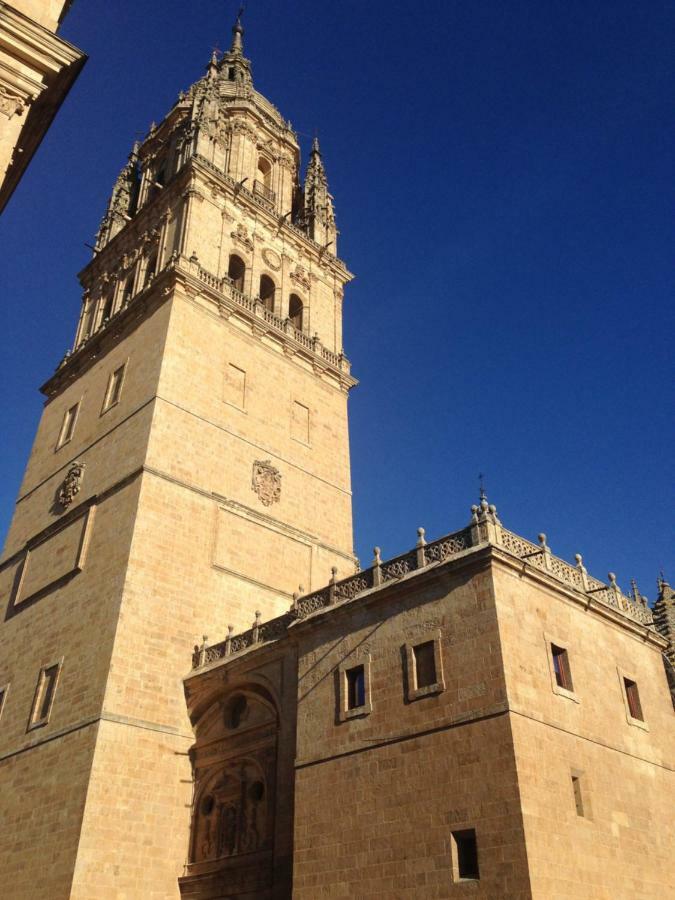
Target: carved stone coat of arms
{"type": "Point", "coordinates": [71, 484]}
{"type": "Point", "coordinates": [266, 482]}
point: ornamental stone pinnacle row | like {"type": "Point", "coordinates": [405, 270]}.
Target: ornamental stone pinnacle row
{"type": "Point", "coordinates": [71, 484]}
{"type": "Point", "coordinates": [266, 482]}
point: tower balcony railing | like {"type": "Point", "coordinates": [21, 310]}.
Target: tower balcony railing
{"type": "Point", "coordinates": [253, 306]}
{"type": "Point", "coordinates": [485, 528]}
{"type": "Point", "coordinates": [261, 190]}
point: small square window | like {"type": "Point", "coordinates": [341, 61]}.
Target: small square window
{"type": "Point", "coordinates": [633, 699]}
{"type": "Point", "coordinates": [465, 855]}
{"type": "Point", "coordinates": [44, 695]}
{"type": "Point", "coordinates": [561, 667]}
{"type": "Point", "coordinates": [424, 668]}
{"type": "Point", "coordinates": [68, 426]}
{"type": "Point", "coordinates": [425, 664]}
{"type": "Point", "coordinates": [356, 687]}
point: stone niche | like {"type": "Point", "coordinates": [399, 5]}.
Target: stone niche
{"type": "Point", "coordinates": [234, 762]}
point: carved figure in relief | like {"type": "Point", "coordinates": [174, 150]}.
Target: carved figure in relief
{"type": "Point", "coordinates": [232, 814]}
{"type": "Point", "coordinates": [71, 484]}
{"type": "Point", "coordinates": [266, 482]}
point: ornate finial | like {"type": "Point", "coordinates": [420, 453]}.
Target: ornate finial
{"type": "Point", "coordinates": [542, 539]}
{"type": "Point", "coordinates": [377, 558]}
{"type": "Point", "coordinates": [612, 580]}
{"type": "Point", "coordinates": [482, 495]}
{"type": "Point", "coordinates": [634, 590]}
{"type": "Point", "coordinates": [315, 145]}
{"type": "Point", "coordinates": [237, 33]}
{"type": "Point", "coordinates": [421, 541]}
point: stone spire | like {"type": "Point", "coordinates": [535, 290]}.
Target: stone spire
{"type": "Point", "coordinates": [234, 65]}
{"type": "Point", "coordinates": [238, 35]}
{"type": "Point", "coordinates": [319, 202]}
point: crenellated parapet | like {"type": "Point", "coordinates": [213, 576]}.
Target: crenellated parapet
{"type": "Point", "coordinates": [484, 531]}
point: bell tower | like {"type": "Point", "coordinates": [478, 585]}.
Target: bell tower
{"type": "Point", "coordinates": [190, 470]}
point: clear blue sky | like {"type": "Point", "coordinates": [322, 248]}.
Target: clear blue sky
{"type": "Point", "coordinates": [503, 175]}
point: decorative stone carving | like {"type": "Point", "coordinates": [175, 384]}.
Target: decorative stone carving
{"type": "Point", "coordinates": [71, 484]}
{"type": "Point", "coordinates": [11, 104]}
{"type": "Point", "coordinates": [300, 276]}
{"type": "Point", "coordinates": [272, 259]}
{"type": "Point", "coordinates": [240, 236]}
{"type": "Point", "coordinates": [266, 482]}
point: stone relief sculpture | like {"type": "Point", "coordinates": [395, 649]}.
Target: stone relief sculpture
{"type": "Point", "coordinates": [266, 482]}
{"type": "Point", "coordinates": [231, 816]}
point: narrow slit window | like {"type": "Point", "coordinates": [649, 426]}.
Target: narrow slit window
{"type": "Point", "coordinates": [578, 798]}
{"type": "Point", "coordinates": [356, 687]}
{"type": "Point", "coordinates": [44, 695]}
{"type": "Point", "coordinates": [3, 697]}
{"type": "Point", "coordinates": [425, 664]}
{"type": "Point", "coordinates": [561, 667]}
{"type": "Point", "coordinates": [466, 854]}
{"type": "Point", "coordinates": [68, 426]}
{"type": "Point", "coordinates": [633, 698]}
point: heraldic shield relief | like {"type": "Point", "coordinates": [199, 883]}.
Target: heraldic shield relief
{"type": "Point", "coordinates": [266, 482]}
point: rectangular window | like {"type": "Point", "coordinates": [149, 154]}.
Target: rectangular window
{"type": "Point", "coordinates": [578, 799]}
{"type": "Point", "coordinates": [633, 699]}
{"type": "Point", "coordinates": [356, 687]}
{"type": "Point", "coordinates": [116, 386]}
{"type": "Point", "coordinates": [68, 426]}
{"type": "Point", "coordinates": [465, 853]}
{"type": "Point", "coordinates": [44, 695]}
{"type": "Point", "coordinates": [300, 423]}
{"type": "Point", "coordinates": [425, 664]}
{"type": "Point", "coordinates": [561, 667]}
{"type": "Point", "coordinates": [114, 391]}
{"type": "Point", "coordinates": [235, 387]}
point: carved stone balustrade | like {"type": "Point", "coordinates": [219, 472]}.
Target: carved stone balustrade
{"type": "Point", "coordinates": [485, 529]}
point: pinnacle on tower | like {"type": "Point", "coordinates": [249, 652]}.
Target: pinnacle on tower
{"type": "Point", "coordinates": [237, 45]}
{"type": "Point", "coordinates": [318, 201]}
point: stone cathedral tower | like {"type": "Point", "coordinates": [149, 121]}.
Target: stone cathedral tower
{"type": "Point", "coordinates": [191, 467]}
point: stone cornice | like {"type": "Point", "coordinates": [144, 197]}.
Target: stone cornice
{"type": "Point", "coordinates": [54, 65]}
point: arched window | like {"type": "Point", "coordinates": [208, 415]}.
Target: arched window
{"type": "Point", "coordinates": [150, 270]}
{"type": "Point", "coordinates": [264, 172]}
{"type": "Point", "coordinates": [295, 310]}
{"type": "Point", "coordinates": [236, 270]}
{"type": "Point", "coordinates": [88, 320]}
{"type": "Point", "coordinates": [107, 307]}
{"type": "Point", "coordinates": [262, 186]}
{"type": "Point", "coordinates": [128, 291]}
{"type": "Point", "coordinates": [267, 291]}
